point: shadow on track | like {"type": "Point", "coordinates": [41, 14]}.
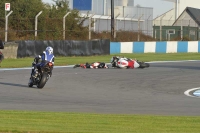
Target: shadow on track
{"type": "Point", "coordinates": [11, 84]}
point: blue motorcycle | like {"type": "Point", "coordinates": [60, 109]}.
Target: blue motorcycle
{"type": "Point", "coordinates": [42, 75]}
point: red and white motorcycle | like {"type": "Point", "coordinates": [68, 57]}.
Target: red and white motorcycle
{"type": "Point", "coordinates": [122, 62]}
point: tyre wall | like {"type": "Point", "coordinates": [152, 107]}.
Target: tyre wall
{"type": "Point", "coordinates": [155, 47]}
{"type": "Point", "coordinates": [64, 48]}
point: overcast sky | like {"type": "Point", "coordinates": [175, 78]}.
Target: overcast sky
{"type": "Point", "coordinates": [159, 6]}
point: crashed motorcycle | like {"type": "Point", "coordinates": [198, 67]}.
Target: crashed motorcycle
{"type": "Point", "coordinates": [42, 75]}
{"type": "Point", "coordinates": [128, 63]}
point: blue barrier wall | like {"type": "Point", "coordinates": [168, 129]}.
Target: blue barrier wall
{"type": "Point", "coordinates": [138, 47]}
{"type": "Point", "coordinates": [115, 47]}
{"type": "Point", "coordinates": [161, 47]}
{"type": "Point", "coordinates": [199, 47]}
{"type": "Point", "coordinates": [182, 47]}
{"type": "Point", "coordinates": [155, 47]}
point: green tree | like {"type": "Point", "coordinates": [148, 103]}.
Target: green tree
{"type": "Point", "coordinates": [50, 22]}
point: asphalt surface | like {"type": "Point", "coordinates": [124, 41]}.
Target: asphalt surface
{"type": "Point", "coordinates": [157, 90]}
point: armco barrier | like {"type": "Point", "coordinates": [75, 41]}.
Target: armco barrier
{"type": "Point", "coordinates": [155, 47]}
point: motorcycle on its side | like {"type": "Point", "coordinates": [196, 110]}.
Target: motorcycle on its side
{"type": "Point", "coordinates": [41, 77]}
{"type": "Point", "coordinates": [121, 62]}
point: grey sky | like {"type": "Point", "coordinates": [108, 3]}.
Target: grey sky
{"type": "Point", "coordinates": [159, 6]}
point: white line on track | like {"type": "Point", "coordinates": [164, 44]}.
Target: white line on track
{"type": "Point", "coordinates": [173, 61]}
{"type": "Point", "coordinates": [11, 69]}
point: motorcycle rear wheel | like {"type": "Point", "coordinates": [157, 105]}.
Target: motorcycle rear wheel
{"type": "Point", "coordinates": [43, 81]}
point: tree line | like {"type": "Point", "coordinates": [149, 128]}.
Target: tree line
{"type": "Point", "coordinates": [50, 22]}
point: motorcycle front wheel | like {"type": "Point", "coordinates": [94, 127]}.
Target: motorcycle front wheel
{"type": "Point", "coordinates": [143, 64]}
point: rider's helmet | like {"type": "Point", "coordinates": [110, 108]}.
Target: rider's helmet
{"type": "Point", "coordinates": [49, 50]}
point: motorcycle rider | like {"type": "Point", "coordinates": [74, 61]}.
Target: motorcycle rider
{"type": "Point", "coordinates": [47, 55]}
{"type": "Point", "coordinates": [116, 62]}
{"type": "Point", "coordinates": [94, 65]}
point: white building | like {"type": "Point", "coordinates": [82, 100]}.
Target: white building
{"type": "Point", "coordinates": [169, 17]}
{"type": "Point", "coordinates": [127, 15]}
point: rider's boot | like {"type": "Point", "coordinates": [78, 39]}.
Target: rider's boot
{"type": "Point", "coordinates": [35, 73]}
{"type": "Point", "coordinates": [30, 81]}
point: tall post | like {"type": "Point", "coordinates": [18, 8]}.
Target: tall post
{"type": "Point", "coordinates": [139, 27]}
{"type": "Point", "coordinates": [6, 26]}
{"type": "Point", "coordinates": [112, 19]}
{"type": "Point", "coordinates": [36, 23]}
{"type": "Point", "coordinates": [64, 24]}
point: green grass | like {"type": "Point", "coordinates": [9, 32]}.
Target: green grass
{"type": "Point", "coordinates": [45, 122]}
{"type": "Point", "coordinates": [57, 122]}
{"type": "Point", "coordinates": [60, 61]}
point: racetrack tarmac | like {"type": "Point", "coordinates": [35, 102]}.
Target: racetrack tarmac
{"type": "Point", "coordinates": [157, 90]}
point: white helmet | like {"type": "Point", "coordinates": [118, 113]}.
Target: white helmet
{"type": "Point", "coordinates": [49, 50]}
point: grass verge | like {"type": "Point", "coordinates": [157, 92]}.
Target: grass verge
{"type": "Point", "coordinates": [46, 122]}
{"type": "Point", "coordinates": [61, 61]}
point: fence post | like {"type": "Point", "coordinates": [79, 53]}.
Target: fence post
{"type": "Point", "coordinates": [125, 22]}
{"type": "Point", "coordinates": [148, 25]}
{"type": "Point", "coordinates": [107, 22]}
{"type": "Point", "coordinates": [132, 21]}
{"type": "Point", "coordinates": [115, 25]}
{"type": "Point", "coordinates": [99, 22]}
{"type": "Point", "coordinates": [36, 23]}
{"type": "Point", "coordinates": [182, 27]}
{"type": "Point", "coordinates": [64, 24]}
{"type": "Point", "coordinates": [139, 27]}
{"type": "Point", "coordinates": [6, 26]}
{"type": "Point", "coordinates": [90, 26]}
{"type": "Point", "coordinates": [161, 26]}
{"type": "Point", "coordinates": [169, 20]}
